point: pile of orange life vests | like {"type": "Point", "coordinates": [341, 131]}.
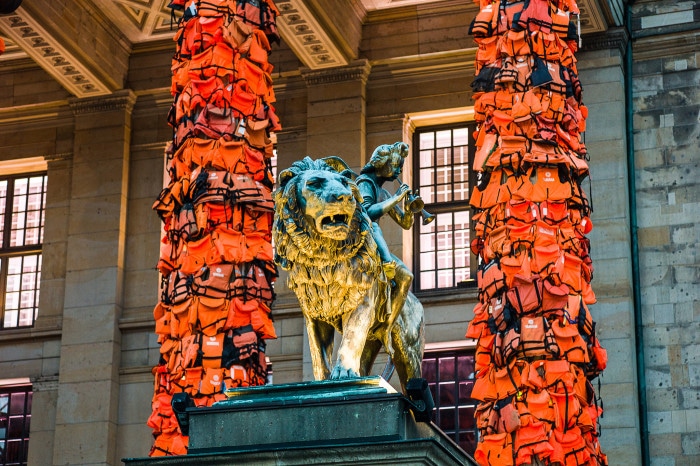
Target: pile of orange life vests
{"type": "Point", "coordinates": [216, 261]}
{"type": "Point", "coordinates": [537, 350]}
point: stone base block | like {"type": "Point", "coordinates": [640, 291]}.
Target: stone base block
{"type": "Point", "coordinates": [356, 421]}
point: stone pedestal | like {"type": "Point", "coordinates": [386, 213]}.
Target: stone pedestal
{"type": "Point", "coordinates": [358, 421]}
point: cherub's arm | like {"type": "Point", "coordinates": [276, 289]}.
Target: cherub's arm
{"type": "Point", "coordinates": [375, 209]}
{"type": "Point", "coordinates": [402, 215]}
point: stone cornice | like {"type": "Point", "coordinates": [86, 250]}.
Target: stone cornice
{"type": "Point", "coordinates": [358, 70]}
{"type": "Point", "coordinates": [48, 52]}
{"type": "Point", "coordinates": [124, 99]}
{"type": "Point", "coordinates": [26, 114]}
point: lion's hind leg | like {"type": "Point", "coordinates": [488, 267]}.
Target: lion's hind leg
{"type": "Point", "coordinates": [409, 340]}
{"type": "Point", "coordinates": [369, 355]}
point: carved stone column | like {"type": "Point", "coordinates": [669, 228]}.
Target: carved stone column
{"type": "Point", "coordinates": [88, 384]}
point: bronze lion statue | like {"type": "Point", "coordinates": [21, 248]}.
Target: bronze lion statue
{"type": "Point", "coordinates": [323, 238]}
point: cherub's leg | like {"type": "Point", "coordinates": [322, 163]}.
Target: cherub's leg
{"type": "Point", "coordinates": [403, 279]}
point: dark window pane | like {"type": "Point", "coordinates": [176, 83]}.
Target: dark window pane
{"type": "Point", "coordinates": [447, 394]}
{"type": "Point", "coordinates": [447, 369]}
{"type": "Point", "coordinates": [465, 367]}
{"type": "Point", "coordinates": [447, 419]}
{"type": "Point", "coordinates": [16, 429]}
{"type": "Point", "coordinates": [465, 391]}
{"type": "Point", "coordinates": [17, 403]}
{"type": "Point", "coordinates": [430, 370]}
{"type": "Point", "coordinates": [466, 418]}
{"type": "Point", "coordinates": [14, 452]}
{"type": "Point", "coordinates": [433, 391]}
{"type": "Point", "coordinates": [467, 440]}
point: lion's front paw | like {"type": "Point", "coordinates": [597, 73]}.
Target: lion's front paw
{"type": "Point", "coordinates": [340, 372]}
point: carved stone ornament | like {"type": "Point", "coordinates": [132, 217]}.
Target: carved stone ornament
{"type": "Point", "coordinates": [48, 53]}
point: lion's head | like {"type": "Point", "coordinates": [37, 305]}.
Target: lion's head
{"type": "Point", "coordinates": [318, 213]}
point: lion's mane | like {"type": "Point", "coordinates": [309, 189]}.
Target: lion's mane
{"type": "Point", "coordinates": [328, 276]}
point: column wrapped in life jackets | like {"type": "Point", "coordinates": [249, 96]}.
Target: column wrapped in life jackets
{"type": "Point", "coordinates": [216, 265]}
{"type": "Point", "coordinates": [537, 349]}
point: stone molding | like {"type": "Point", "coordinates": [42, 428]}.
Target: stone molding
{"type": "Point", "coordinates": [648, 48]}
{"type": "Point", "coordinates": [306, 36]}
{"type": "Point", "coordinates": [616, 38]}
{"type": "Point", "coordinates": [419, 68]}
{"type": "Point", "coordinates": [120, 100]}
{"type": "Point", "coordinates": [49, 53]}
{"type": "Point", "coordinates": [45, 383]}
{"type": "Point", "coordinates": [357, 71]}
{"type": "Point", "coordinates": [58, 157]}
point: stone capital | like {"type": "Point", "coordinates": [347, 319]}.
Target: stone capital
{"type": "Point", "coordinates": [124, 99]}
{"type": "Point", "coordinates": [614, 38]}
{"type": "Point", "coordinates": [356, 71]}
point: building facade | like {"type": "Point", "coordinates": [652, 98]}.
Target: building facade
{"type": "Point", "coordinates": [85, 91]}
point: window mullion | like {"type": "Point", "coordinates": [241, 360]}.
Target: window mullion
{"type": "Point", "coordinates": [7, 225]}
{"type": "Point", "coordinates": [7, 221]}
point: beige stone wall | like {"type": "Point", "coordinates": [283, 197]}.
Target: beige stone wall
{"type": "Point", "coordinates": [667, 152]}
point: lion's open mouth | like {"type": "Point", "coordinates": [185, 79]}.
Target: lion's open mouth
{"type": "Point", "coordinates": [336, 220]}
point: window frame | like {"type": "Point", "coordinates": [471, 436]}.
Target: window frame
{"type": "Point", "coordinates": [437, 208]}
{"type": "Point", "coordinates": [25, 415]}
{"type": "Point", "coordinates": [456, 351]}
{"type": "Point", "coordinates": [26, 250]}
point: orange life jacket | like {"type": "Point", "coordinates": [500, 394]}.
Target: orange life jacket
{"type": "Point", "coordinates": [261, 321]}
{"type": "Point", "coordinates": [525, 294]}
{"type": "Point", "coordinates": [549, 185]}
{"type": "Point", "coordinates": [211, 349]}
{"type": "Point", "coordinates": [571, 345]}
{"type": "Point", "coordinates": [490, 280]}
{"type": "Point", "coordinates": [535, 17]}
{"type": "Point", "coordinates": [212, 381]}
{"type": "Point", "coordinates": [537, 406]}
{"type": "Point", "coordinates": [196, 254]}
{"type": "Point", "coordinates": [211, 314]}
{"type": "Point", "coordinates": [487, 51]}
{"type": "Point", "coordinates": [213, 281]}
{"type": "Point", "coordinates": [512, 150]}
{"type": "Point", "coordinates": [162, 317]}
{"type": "Point", "coordinates": [514, 43]}
{"type": "Point", "coordinates": [536, 338]}
{"type": "Point", "coordinates": [486, 21]}
{"type": "Point", "coordinates": [483, 354]}
{"type": "Point", "coordinates": [181, 322]}
{"type": "Point", "coordinates": [555, 298]}
{"type": "Point", "coordinates": [495, 450]}
{"type": "Point", "coordinates": [571, 274]}
{"type": "Point", "coordinates": [515, 264]}
{"type": "Point", "coordinates": [531, 441]}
